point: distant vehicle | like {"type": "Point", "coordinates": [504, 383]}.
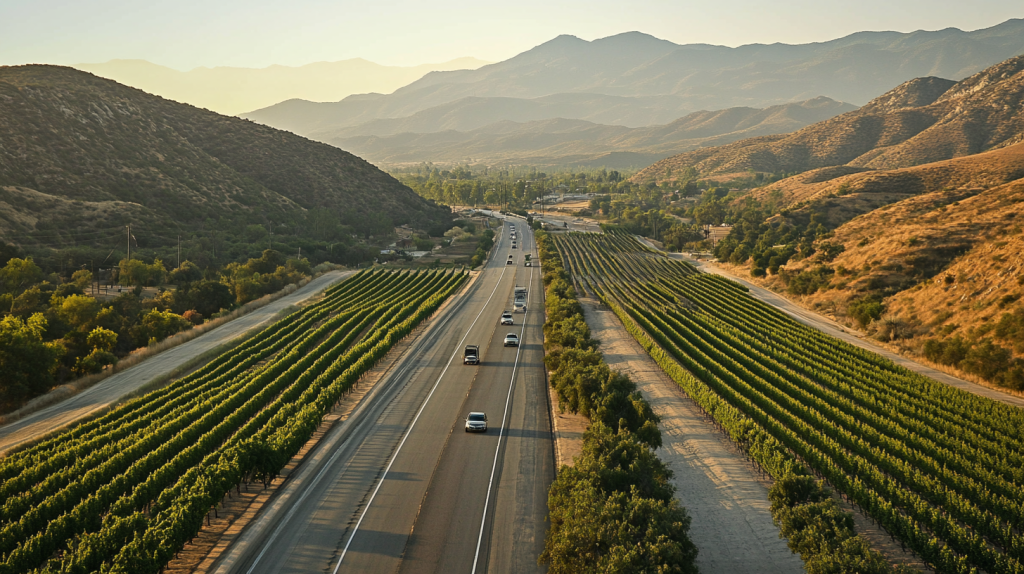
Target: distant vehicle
{"type": "Point", "coordinates": [519, 306]}
{"type": "Point", "coordinates": [513, 245]}
{"type": "Point", "coordinates": [527, 264]}
{"type": "Point", "coordinates": [476, 422]}
{"type": "Point", "coordinates": [471, 356]}
{"type": "Point", "coordinates": [506, 318]}
{"type": "Point", "coordinates": [520, 292]}
{"type": "Point", "coordinates": [511, 340]}
{"type": "Point", "coordinates": [509, 262]}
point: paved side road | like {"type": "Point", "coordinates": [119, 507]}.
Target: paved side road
{"type": "Point", "coordinates": [109, 390]}
{"type": "Point", "coordinates": [836, 330]}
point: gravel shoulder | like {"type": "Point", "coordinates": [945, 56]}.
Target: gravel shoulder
{"type": "Point", "coordinates": [732, 524]}
{"type": "Point", "coordinates": [112, 389]}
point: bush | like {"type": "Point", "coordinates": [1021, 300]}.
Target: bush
{"type": "Point", "coordinates": [866, 309]}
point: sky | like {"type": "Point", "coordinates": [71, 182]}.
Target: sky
{"type": "Point", "coordinates": [184, 34]}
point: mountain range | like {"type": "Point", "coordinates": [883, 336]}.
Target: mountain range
{"type": "Point", "coordinates": [557, 142]}
{"type": "Point", "coordinates": [82, 155]}
{"type": "Point", "coordinates": [636, 80]}
{"type": "Point", "coordinates": [921, 121]}
{"type": "Point", "coordinates": [229, 90]}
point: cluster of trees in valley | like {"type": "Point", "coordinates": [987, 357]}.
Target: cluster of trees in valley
{"type": "Point", "coordinates": [56, 327]}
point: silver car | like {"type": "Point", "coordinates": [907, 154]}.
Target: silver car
{"type": "Point", "coordinates": [511, 340]}
{"type": "Point", "coordinates": [476, 422]}
{"type": "Point", "coordinates": [506, 318]}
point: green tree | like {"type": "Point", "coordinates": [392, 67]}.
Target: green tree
{"type": "Point", "coordinates": [27, 361]}
{"type": "Point", "coordinates": [18, 275]}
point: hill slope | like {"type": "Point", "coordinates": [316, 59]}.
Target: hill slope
{"type": "Point", "coordinates": [79, 154]}
{"type": "Point", "coordinates": [229, 90]}
{"type": "Point", "coordinates": [554, 142]}
{"type": "Point", "coordinates": [923, 120]}
{"type": "Point", "coordinates": [637, 67]}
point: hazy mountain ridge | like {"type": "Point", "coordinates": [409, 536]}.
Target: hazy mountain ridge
{"type": "Point", "coordinates": [70, 136]}
{"type": "Point", "coordinates": [853, 69]}
{"type": "Point", "coordinates": [559, 141]}
{"type": "Point", "coordinates": [915, 123]}
{"type": "Point", "coordinates": [232, 90]}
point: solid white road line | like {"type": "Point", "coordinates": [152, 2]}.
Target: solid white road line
{"type": "Point", "coordinates": [411, 426]}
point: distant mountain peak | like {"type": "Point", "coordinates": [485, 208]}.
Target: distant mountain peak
{"type": "Point", "coordinates": [916, 93]}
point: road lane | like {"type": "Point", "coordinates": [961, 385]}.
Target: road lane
{"type": "Point", "coordinates": [312, 521]}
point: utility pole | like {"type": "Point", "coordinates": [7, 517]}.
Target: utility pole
{"type": "Point", "coordinates": [129, 242]}
{"type": "Point", "coordinates": [179, 251]}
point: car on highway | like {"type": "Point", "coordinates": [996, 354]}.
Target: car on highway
{"type": "Point", "coordinates": [506, 318]}
{"type": "Point", "coordinates": [513, 245]}
{"type": "Point", "coordinates": [471, 356]}
{"type": "Point", "coordinates": [511, 340]}
{"type": "Point", "coordinates": [510, 261]}
{"type": "Point", "coordinates": [476, 422]}
{"type": "Point", "coordinates": [528, 263]}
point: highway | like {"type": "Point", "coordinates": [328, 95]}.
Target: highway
{"type": "Point", "coordinates": [399, 486]}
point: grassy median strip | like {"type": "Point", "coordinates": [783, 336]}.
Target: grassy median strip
{"type": "Point", "coordinates": [614, 510]}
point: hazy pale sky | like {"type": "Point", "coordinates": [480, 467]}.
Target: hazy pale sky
{"type": "Point", "coordinates": [184, 34]}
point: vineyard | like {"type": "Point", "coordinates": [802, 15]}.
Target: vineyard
{"type": "Point", "coordinates": [125, 491]}
{"type": "Point", "coordinates": [940, 469]}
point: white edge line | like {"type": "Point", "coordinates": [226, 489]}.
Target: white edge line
{"type": "Point", "coordinates": [501, 430]}
{"type": "Point", "coordinates": [414, 420]}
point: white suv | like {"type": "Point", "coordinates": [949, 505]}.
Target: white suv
{"type": "Point", "coordinates": [511, 340]}
{"type": "Point", "coordinates": [506, 318]}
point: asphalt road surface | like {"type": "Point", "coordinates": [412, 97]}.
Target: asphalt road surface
{"type": "Point", "coordinates": [400, 486]}
{"type": "Point", "coordinates": [111, 389]}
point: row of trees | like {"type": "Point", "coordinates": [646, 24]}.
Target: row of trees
{"type": "Point", "coordinates": [54, 331]}
{"type": "Point", "coordinates": [613, 510]}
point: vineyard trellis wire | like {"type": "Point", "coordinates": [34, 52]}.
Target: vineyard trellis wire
{"type": "Point", "coordinates": [125, 491]}
{"type": "Point", "coordinates": [939, 468]}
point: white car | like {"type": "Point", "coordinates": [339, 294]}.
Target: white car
{"type": "Point", "coordinates": [476, 422]}
{"type": "Point", "coordinates": [506, 318]}
{"type": "Point", "coordinates": [511, 340]}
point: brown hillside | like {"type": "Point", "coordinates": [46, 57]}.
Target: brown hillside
{"type": "Point", "coordinates": [853, 191]}
{"type": "Point", "coordinates": [81, 156]}
{"type": "Point", "coordinates": [962, 251]}
{"type": "Point", "coordinates": [917, 122]}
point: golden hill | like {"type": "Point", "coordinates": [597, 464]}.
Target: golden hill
{"type": "Point", "coordinates": [924, 120]}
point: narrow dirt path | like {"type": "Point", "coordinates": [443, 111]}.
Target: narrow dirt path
{"type": "Point", "coordinates": [732, 524]}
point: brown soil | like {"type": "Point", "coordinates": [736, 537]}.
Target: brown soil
{"type": "Point", "coordinates": [569, 429]}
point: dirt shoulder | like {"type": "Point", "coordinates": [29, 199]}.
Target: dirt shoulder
{"type": "Point", "coordinates": [732, 524]}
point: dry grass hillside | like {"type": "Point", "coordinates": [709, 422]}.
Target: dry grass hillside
{"type": "Point", "coordinates": [73, 144]}
{"type": "Point", "coordinates": [851, 191]}
{"type": "Point", "coordinates": [924, 120]}
{"type": "Point", "coordinates": [946, 265]}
